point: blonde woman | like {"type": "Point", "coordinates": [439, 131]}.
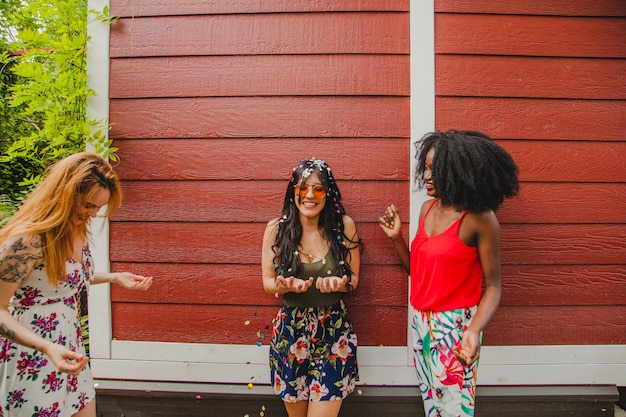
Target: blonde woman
{"type": "Point", "coordinates": [45, 263]}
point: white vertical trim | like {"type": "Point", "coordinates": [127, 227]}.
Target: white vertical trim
{"type": "Point", "coordinates": [422, 87]}
{"type": "Point", "coordinates": [98, 108]}
{"type": "Point", "coordinates": [422, 37]}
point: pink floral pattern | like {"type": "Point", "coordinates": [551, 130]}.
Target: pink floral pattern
{"type": "Point", "coordinates": [34, 387]}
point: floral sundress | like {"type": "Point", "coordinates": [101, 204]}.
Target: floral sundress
{"type": "Point", "coordinates": [30, 383]}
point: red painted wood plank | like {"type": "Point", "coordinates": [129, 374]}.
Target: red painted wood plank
{"type": "Point", "coordinates": [563, 325]}
{"type": "Point", "coordinates": [230, 201]}
{"type": "Point", "coordinates": [262, 158]}
{"type": "Point", "coordinates": [260, 75]}
{"type": "Point", "coordinates": [564, 161]}
{"type": "Point", "coordinates": [534, 118]}
{"type": "Point", "coordinates": [584, 285]}
{"type": "Point", "coordinates": [241, 324]}
{"type": "Point", "coordinates": [530, 35]}
{"type": "Point", "coordinates": [233, 284]}
{"type": "Point", "coordinates": [566, 244]}
{"type": "Point", "coordinates": [228, 243]}
{"type": "Point", "coordinates": [136, 8]}
{"type": "Point", "coordinates": [552, 7]}
{"type": "Point", "coordinates": [532, 77]}
{"type": "Point", "coordinates": [214, 159]}
{"type": "Point", "coordinates": [260, 117]}
{"type": "Point", "coordinates": [586, 203]}
{"type": "Point", "coordinates": [254, 34]}
{"type": "Point", "coordinates": [510, 326]}
{"type": "Point", "coordinates": [525, 244]}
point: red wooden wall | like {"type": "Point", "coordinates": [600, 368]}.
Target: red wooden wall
{"type": "Point", "coordinates": [548, 81]}
{"type": "Point", "coordinates": [212, 104]}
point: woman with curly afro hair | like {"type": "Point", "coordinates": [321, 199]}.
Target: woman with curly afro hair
{"type": "Point", "coordinates": [456, 247]}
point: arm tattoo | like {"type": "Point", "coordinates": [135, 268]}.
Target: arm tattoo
{"type": "Point", "coordinates": [10, 335]}
{"type": "Point", "coordinates": [18, 257]}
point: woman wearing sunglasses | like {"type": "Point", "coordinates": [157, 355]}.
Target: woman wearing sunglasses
{"type": "Point", "coordinates": [311, 256]}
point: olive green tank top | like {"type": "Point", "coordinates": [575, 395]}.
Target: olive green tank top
{"type": "Point", "coordinates": [313, 297]}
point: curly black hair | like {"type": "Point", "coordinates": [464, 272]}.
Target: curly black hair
{"type": "Point", "coordinates": [330, 222]}
{"type": "Point", "coordinates": [469, 170]}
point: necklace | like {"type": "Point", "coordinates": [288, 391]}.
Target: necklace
{"type": "Point", "coordinates": [311, 257]}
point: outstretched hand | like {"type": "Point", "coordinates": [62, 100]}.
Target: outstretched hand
{"type": "Point", "coordinates": [292, 284]}
{"type": "Point", "coordinates": [132, 281]}
{"type": "Point", "coordinates": [331, 284]}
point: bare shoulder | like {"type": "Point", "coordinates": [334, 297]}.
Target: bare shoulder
{"type": "Point", "coordinates": [271, 228]}
{"type": "Point", "coordinates": [19, 255]}
{"type": "Point", "coordinates": [349, 227]}
{"type": "Point", "coordinates": [349, 230]}
{"type": "Point", "coordinates": [485, 220]}
{"type": "Point", "coordinates": [348, 222]}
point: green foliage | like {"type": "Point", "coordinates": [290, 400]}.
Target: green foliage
{"type": "Point", "coordinates": [43, 86]}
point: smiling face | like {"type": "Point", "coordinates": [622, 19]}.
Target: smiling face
{"type": "Point", "coordinates": [428, 174]}
{"type": "Point", "coordinates": [310, 197]}
{"type": "Point", "coordinates": [89, 206]}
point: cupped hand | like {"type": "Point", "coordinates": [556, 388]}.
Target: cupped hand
{"type": "Point", "coordinates": [132, 281]}
{"type": "Point", "coordinates": [331, 284]}
{"type": "Point", "coordinates": [65, 360]}
{"type": "Point", "coordinates": [292, 284]}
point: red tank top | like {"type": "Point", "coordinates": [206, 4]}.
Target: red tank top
{"type": "Point", "coordinates": [445, 273]}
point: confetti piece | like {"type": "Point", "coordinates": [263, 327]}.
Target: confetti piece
{"type": "Point", "coordinates": [198, 397]}
{"type": "Point", "coordinates": [259, 343]}
{"type": "Point", "coordinates": [359, 392]}
{"type": "Point", "coordinates": [250, 385]}
{"type": "Point", "coordinates": [246, 322]}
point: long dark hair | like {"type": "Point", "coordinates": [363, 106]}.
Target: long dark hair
{"type": "Point", "coordinates": [286, 261]}
{"type": "Point", "coordinates": [469, 170]}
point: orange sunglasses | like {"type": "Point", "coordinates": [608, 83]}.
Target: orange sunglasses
{"type": "Point", "coordinates": [318, 190]}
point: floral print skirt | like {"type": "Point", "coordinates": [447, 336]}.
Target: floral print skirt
{"type": "Point", "coordinates": [313, 354]}
{"type": "Point", "coordinates": [448, 387]}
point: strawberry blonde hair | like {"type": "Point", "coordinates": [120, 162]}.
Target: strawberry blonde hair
{"type": "Point", "coordinates": [49, 209]}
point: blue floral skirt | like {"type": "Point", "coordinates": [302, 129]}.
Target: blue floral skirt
{"type": "Point", "coordinates": [313, 353]}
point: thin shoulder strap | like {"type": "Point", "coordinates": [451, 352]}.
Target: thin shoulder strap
{"type": "Point", "coordinates": [426, 214]}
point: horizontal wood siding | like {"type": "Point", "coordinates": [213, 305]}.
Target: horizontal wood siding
{"type": "Point", "coordinates": [212, 104]}
{"type": "Point", "coordinates": [261, 34]}
{"type": "Point", "coordinates": [548, 81]}
{"type": "Point", "coordinates": [130, 8]}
